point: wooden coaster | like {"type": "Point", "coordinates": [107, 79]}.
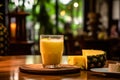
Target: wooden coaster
{"type": "Point", "coordinates": [38, 69]}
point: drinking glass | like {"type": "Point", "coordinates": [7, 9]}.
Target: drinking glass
{"type": "Point", "coordinates": [51, 49]}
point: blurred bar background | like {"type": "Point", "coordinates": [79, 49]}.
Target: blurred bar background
{"type": "Point", "coordinates": [86, 24]}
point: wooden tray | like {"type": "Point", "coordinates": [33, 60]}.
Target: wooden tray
{"type": "Point", "coordinates": [38, 69]}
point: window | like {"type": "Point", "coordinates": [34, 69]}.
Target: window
{"type": "Point", "coordinates": [42, 18]}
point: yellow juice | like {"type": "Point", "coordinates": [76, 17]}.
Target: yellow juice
{"type": "Point", "coordinates": [51, 51]}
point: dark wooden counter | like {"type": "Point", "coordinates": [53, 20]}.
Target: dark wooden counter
{"type": "Point", "coordinates": [111, 46]}
{"type": "Point", "coordinates": [9, 70]}
{"type": "Point", "coordinates": [20, 48]}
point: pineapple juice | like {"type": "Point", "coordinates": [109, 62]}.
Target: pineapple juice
{"type": "Point", "coordinates": [51, 51]}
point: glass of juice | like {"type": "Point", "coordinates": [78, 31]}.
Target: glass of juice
{"type": "Point", "coordinates": [51, 49]}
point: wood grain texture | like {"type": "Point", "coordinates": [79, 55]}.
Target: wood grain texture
{"type": "Point", "coordinates": [9, 70]}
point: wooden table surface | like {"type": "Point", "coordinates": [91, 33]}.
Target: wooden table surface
{"type": "Point", "coordinates": [9, 70]}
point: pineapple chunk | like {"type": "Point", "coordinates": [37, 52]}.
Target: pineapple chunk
{"type": "Point", "coordinates": [78, 61]}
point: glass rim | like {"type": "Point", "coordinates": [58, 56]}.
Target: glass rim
{"type": "Point", "coordinates": [51, 35]}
